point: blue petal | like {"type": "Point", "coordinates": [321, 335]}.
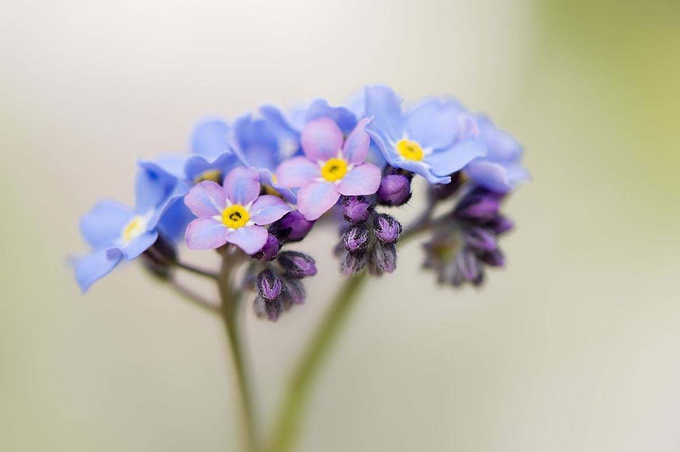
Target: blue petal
{"type": "Point", "coordinates": [447, 161]}
{"type": "Point", "coordinates": [490, 175]}
{"type": "Point", "coordinates": [137, 246]}
{"type": "Point", "coordinates": [385, 107]}
{"type": "Point", "coordinates": [433, 123]}
{"type": "Point", "coordinates": [94, 266]}
{"type": "Point", "coordinates": [502, 146]}
{"type": "Point", "coordinates": [287, 134]}
{"type": "Point", "coordinates": [257, 142]}
{"type": "Point", "coordinates": [153, 186]}
{"type": "Point", "coordinates": [197, 164]}
{"type": "Point", "coordinates": [210, 138]}
{"type": "Point", "coordinates": [174, 221]}
{"type": "Point", "coordinates": [103, 225]}
{"type": "Point", "coordinates": [342, 116]}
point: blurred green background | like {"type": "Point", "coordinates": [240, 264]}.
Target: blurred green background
{"type": "Point", "coordinates": [573, 347]}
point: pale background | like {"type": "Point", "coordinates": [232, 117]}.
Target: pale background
{"type": "Point", "coordinates": [573, 348]}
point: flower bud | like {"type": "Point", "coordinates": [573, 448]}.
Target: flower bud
{"type": "Point", "coordinates": [480, 239]}
{"type": "Point", "coordinates": [267, 309]}
{"type": "Point", "coordinates": [293, 227]}
{"type": "Point", "coordinates": [469, 267]}
{"type": "Point", "coordinates": [353, 262]}
{"type": "Point", "coordinates": [383, 259]}
{"type": "Point", "coordinates": [501, 224]}
{"type": "Point", "coordinates": [356, 209]}
{"type": "Point", "coordinates": [479, 204]}
{"type": "Point", "coordinates": [355, 239]}
{"type": "Point", "coordinates": [297, 265]}
{"type": "Point", "coordinates": [494, 258]}
{"type": "Point", "coordinates": [386, 228]}
{"type": "Point", "coordinates": [294, 291]}
{"type": "Point", "coordinates": [269, 250]}
{"type": "Point", "coordinates": [269, 285]}
{"type": "Point", "coordinates": [394, 190]}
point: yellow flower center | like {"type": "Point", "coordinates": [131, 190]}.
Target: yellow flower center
{"type": "Point", "coordinates": [235, 216]}
{"type": "Point", "coordinates": [134, 229]}
{"type": "Point", "coordinates": [211, 175]}
{"type": "Point", "coordinates": [410, 150]}
{"type": "Point", "coordinates": [334, 169]}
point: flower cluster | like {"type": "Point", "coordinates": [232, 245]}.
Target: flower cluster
{"type": "Point", "coordinates": [252, 187]}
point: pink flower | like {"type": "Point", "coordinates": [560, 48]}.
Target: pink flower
{"type": "Point", "coordinates": [232, 213]}
{"type": "Point", "coordinates": [329, 168]}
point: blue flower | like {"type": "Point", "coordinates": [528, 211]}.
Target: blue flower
{"type": "Point", "coordinates": [116, 232]}
{"type": "Point", "coordinates": [257, 146]}
{"type": "Point", "coordinates": [211, 157]}
{"type": "Point", "coordinates": [433, 139]}
{"type": "Point", "coordinates": [288, 128]}
{"type": "Point", "coordinates": [501, 170]}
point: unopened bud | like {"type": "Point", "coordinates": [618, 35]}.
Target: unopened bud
{"type": "Point", "coordinates": [297, 265]}
{"type": "Point", "coordinates": [394, 190]}
{"type": "Point", "coordinates": [386, 228]}
{"type": "Point", "coordinates": [356, 209]}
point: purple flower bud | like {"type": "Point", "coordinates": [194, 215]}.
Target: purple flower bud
{"type": "Point", "coordinates": [297, 265]}
{"type": "Point", "coordinates": [160, 257]}
{"type": "Point", "coordinates": [386, 228]}
{"type": "Point", "coordinates": [293, 227]}
{"type": "Point", "coordinates": [356, 209]}
{"type": "Point", "coordinates": [468, 265]}
{"type": "Point", "coordinates": [269, 250]}
{"type": "Point", "coordinates": [269, 285]}
{"type": "Point", "coordinates": [267, 309]}
{"type": "Point", "coordinates": [355, 239]}
{"type": "Point", "coordinates": [494, 258]}
{"type": "Point", "coordinates": [501, 224]}
{"type": "Point", "coordinates": [478, 205]}
{"type": "Point", "coordinates": [383, 259]}
{"type": "Point", "coordinates": [353, 263]}
{"type": "Point", "coordinates": [394, 190]}
{"type": "Point", "coordinates": [294, 291]}
{"type": "Point", "coordinates": [480, 239]}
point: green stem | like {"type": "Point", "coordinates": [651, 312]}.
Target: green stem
{"type": "Point", "coordinates": [290, 415]}
{"type": "Point", "coordinates": [229, 314]}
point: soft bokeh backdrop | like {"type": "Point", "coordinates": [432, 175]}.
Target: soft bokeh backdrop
{"type": "Point", "coordinates": [574, 347]}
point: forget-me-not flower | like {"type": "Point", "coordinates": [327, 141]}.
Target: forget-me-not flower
{"type": "Point", "coordinates": [501, 169]}
{"type": "Point", "coordinates": [116, 232]}
{"type": "Point", "coordinates": [433, 139]}
{"type": "Point", "coordinates": [232, 213]}
{"type": "Point", "coordinates": [329, 168]}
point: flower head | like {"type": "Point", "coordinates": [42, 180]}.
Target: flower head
{"type": "Point", "coordinates": [331, 166]}
{"type": "Point", "coordinates": [232, 213]}
{"type": "Point", "coordinates": [116, 232]}
{"type": "Point", "coordinates": [434, 139]}
{"type": "Point", "coordinates": [501, 169]}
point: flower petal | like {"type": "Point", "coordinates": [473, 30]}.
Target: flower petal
{"type": "Point", "coordinates": [384, 106]}
{"type": "Point", "coordinates": [297, 172]}
{"type": "Point", "coordinates": [321, 139]}
{"type": "Point", "coordinates": [362, 180]}
{"type": "Point", "coordinates": [434, 123]}
{"type": "Point", "coordinates": [137, 246]}
{"type": "Point", "coordinates": [250, 239]}
{"type": "Point", "coordinates": [206, 199]}
{"type": "Point", "coordinates": [502, 146]}
{"type": "Point", "coordinates": [103, 225]}
{"type": "Point", "coordinates": [205, 234]}
{"type": "Point", "coordinates": [256, 142]}
{"type": "Point", "coordinates": [267, 209]}
{"type": "Point", "coordinates": [89, 269]}
{"type": "Point", "coordinates": [342, 116]}
{"type": "Point", "coordinates": [242, 185]}
{"type": "Point", "coordinates": [210, 137]}
{"type": "Point", "coordinates": [447, 161]}
{"type": "Point", "coordinates": [356, 146]}
{"type": "Point", "coordinates": [317, 198]}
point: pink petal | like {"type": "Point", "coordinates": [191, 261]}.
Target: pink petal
{"type": "Point", "coordinates": [317, 198]}
{"type": "Point", "coordinates": [205, 234]}
{"type": "Point", "coordinates": [250, 239]}
{"type": "Point", "coordinates": [357, 143]}
{"type": "Point", "coordinates": [361, 180]}
{"type": "Point", "coordinates": [242, 185]}
{"type": "Point", "coordinates": [297, 172]}
{"type": "Point", "coordinates": [267, 209]}
{"type": "Point", "coordinates": [321, 139]}
{"type": "Point", "coordinates": [206, 199]}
